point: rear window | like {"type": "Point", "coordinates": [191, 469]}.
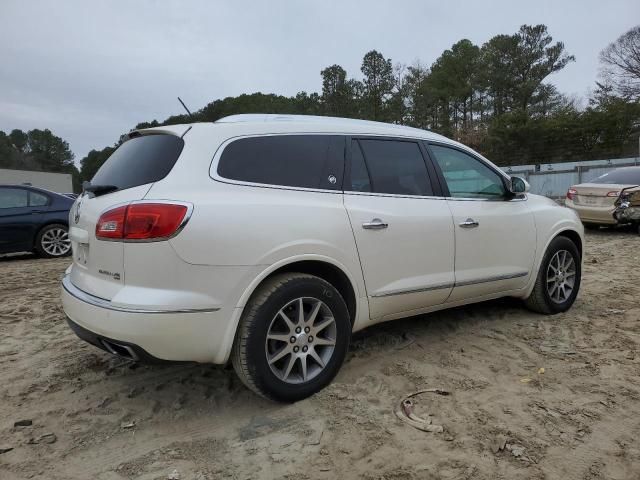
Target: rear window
{"type": "Point", "coordinates": [308, 161]}
{"type": "Point", "coordinates": [140, 160]}
{"type": "Point", "coordinates": [622, 176]}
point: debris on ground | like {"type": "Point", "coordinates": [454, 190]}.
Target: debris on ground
{"type": "Point", "coordinates": [48, 438]}
{"type": "Point", "coordinates": [175, 475]}
{"type": "Point", "coordinates": [406, 414]}
{"type": "Point", "coordinates": [541, 371]}
{"type": "Point", "coordinates": [23, 423]}
{"type": "Point", "coordinates": [127, 425]}
{"type": "Point", "coordinates": [498, 443]}
{"type": "Point", "coordinates": [516, 450]}
{"type": "Point", "coordinates": [5, 449]}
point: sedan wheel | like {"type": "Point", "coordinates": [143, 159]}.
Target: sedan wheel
{"type": "Point", "coordinates": [53, 241]}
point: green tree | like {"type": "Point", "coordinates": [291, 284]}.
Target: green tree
{"type": "Point", "coordinates": [517, 64]}
{"type": "Point", "coordinates": [19, 139]}
{"type": "Point", "coordinates": [337, 92]}
{"type": "Point", "coordinates": [378, 84]}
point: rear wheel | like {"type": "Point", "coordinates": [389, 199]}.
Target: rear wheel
{"type": "Point", "coordinates": [558, 279]}
{"type": "Point", "coordinates": [292, 338]}
{"type": "Point", "coordinates": [53, 241]}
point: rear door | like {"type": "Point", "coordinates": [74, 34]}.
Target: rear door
{"type": "Point", "coordinates": [18, 220]}
{"type": "Point", "coordinates": [403, 231]}
{"type": "Point", "coordinates": [495, 234]}
{"type": "Point", "coordinates": [127, 175]}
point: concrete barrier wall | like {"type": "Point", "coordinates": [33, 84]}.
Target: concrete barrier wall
{"type": "Point", "coordinates": [56, 182]}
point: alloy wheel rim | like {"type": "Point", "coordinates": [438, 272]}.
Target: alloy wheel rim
{"type": "Point", "coordinates": [301, 340]}
{"type": "Point", "coordinates": [561, 276]}
{"type": "Point", "coordinates": [56, 242]}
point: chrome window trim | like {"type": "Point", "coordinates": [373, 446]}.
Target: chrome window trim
{"type": "Point", "coordinates": [106, 304]}
{"type": "Point", "coordinates": [441, 286]}
{"type": "Point", "coordinates": [517, 198]}
{"type": "Point", "coordinates": [393, 195]}
{"type": "Point", "coordinates": [213, 166]}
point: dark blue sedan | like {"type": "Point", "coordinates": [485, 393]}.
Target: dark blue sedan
{"type": "Point", "coordinates": [34, 220]}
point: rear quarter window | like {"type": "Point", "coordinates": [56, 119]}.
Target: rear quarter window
{"type": "Point", "coordinates": [307, 161]}
{"type": "Point", "coordinates": [139, 161]}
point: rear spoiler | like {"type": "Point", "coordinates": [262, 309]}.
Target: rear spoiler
{"type": "Point", "coordinates": [177, 130]}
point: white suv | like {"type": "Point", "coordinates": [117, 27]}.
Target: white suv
{"type": "Point", "coordinates": [267, 240]}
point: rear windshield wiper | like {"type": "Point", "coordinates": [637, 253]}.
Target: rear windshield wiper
{"type": "Point", "coordinates": [98, 190]}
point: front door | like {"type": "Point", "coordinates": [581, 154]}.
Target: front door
{"type": "Point", "coordinates": [404, 233]}
{"type": "Point", "coordinates": [495, 233]}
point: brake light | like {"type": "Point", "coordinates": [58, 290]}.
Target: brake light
{"type": "Point", "coordinates": [141, 221]}
{"type": "Point", "coordinates": [613, 194]}
{"type": "Point", "coordinates": [571, 193]}
{"type": "Point", "coordinates": [111, 224]}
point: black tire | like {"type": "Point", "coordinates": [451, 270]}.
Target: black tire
{"type": "Point", "coordinates": [249, 355]}
{"type": "Point", "coordinates": [540, 300]}
{"type": "Point", "coordinates": [41, 249]}
{"type": "Point", "coordinates": [591, 226]}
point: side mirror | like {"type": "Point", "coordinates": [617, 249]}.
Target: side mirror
{"type": "Point", "coordinates": [518, 185]}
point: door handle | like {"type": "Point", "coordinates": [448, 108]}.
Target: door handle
{"type": "Point", "coordinates": [375, 224]}
{"type": "Point", "coordinates": [469, 223]}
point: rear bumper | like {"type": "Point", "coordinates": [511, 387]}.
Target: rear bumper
{"type": "Point", "coordinates": [594, 214]}
{"type": "Point", "coordinates": [172, 335]}
{"type": "Point", "coordinates": [112, 345]}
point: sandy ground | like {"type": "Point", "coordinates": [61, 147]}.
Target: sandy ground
{"type": "Point", "coordinates": [111, 420]}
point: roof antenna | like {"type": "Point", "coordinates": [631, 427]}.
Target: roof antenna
{"type": "Point", "coordinates": [185, 107]}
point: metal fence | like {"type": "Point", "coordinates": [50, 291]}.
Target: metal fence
{"type": "Point", "coordinates": [554, 179]}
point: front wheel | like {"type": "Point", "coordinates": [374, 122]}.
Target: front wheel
{"type": "Point", "coordinates": [293, 336]}
{"type": "Point", "coordinates": [558, 279]}
{"type": "Point", "coordinates": [53, 241]}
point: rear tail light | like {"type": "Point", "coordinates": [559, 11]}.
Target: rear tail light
{"type": "Point", "coordinates": [141, 221]}
{"type": "Point", "coordinates": [571, 193]}
{"type": "Point", "coordinates": [111, 224]}
{"type": "Point", "coordinates": [613, 194]}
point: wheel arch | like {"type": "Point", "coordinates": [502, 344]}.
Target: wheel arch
{"type": "Point", "coordinates": [572, 235]}
{"type": "Point", "coordinates": [323, 267]}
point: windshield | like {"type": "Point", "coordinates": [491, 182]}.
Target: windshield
{"type": "Point", "coordinates": [622, 176]}
{"type": "Point", "coordinates": [138, 161]}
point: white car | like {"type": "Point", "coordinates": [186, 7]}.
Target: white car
{"type": "Point", "coordinates": [267, 240]}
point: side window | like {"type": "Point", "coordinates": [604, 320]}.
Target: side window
{"type": "Point", "coordinates": [396, 167]}
{"type": "Point", "coordinates": [309, 161]}
{"type": "Point", "coordinates": [37, 199]}
{"type": "Point", "coordinates": [13, 198]}
{"type": "Point", "coordinates": [466, 176]}
{"type": "Point", "coordinates": [359, 175]}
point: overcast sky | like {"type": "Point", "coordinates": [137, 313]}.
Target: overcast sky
{"type": "Point", "coordinates": [91, 70]}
